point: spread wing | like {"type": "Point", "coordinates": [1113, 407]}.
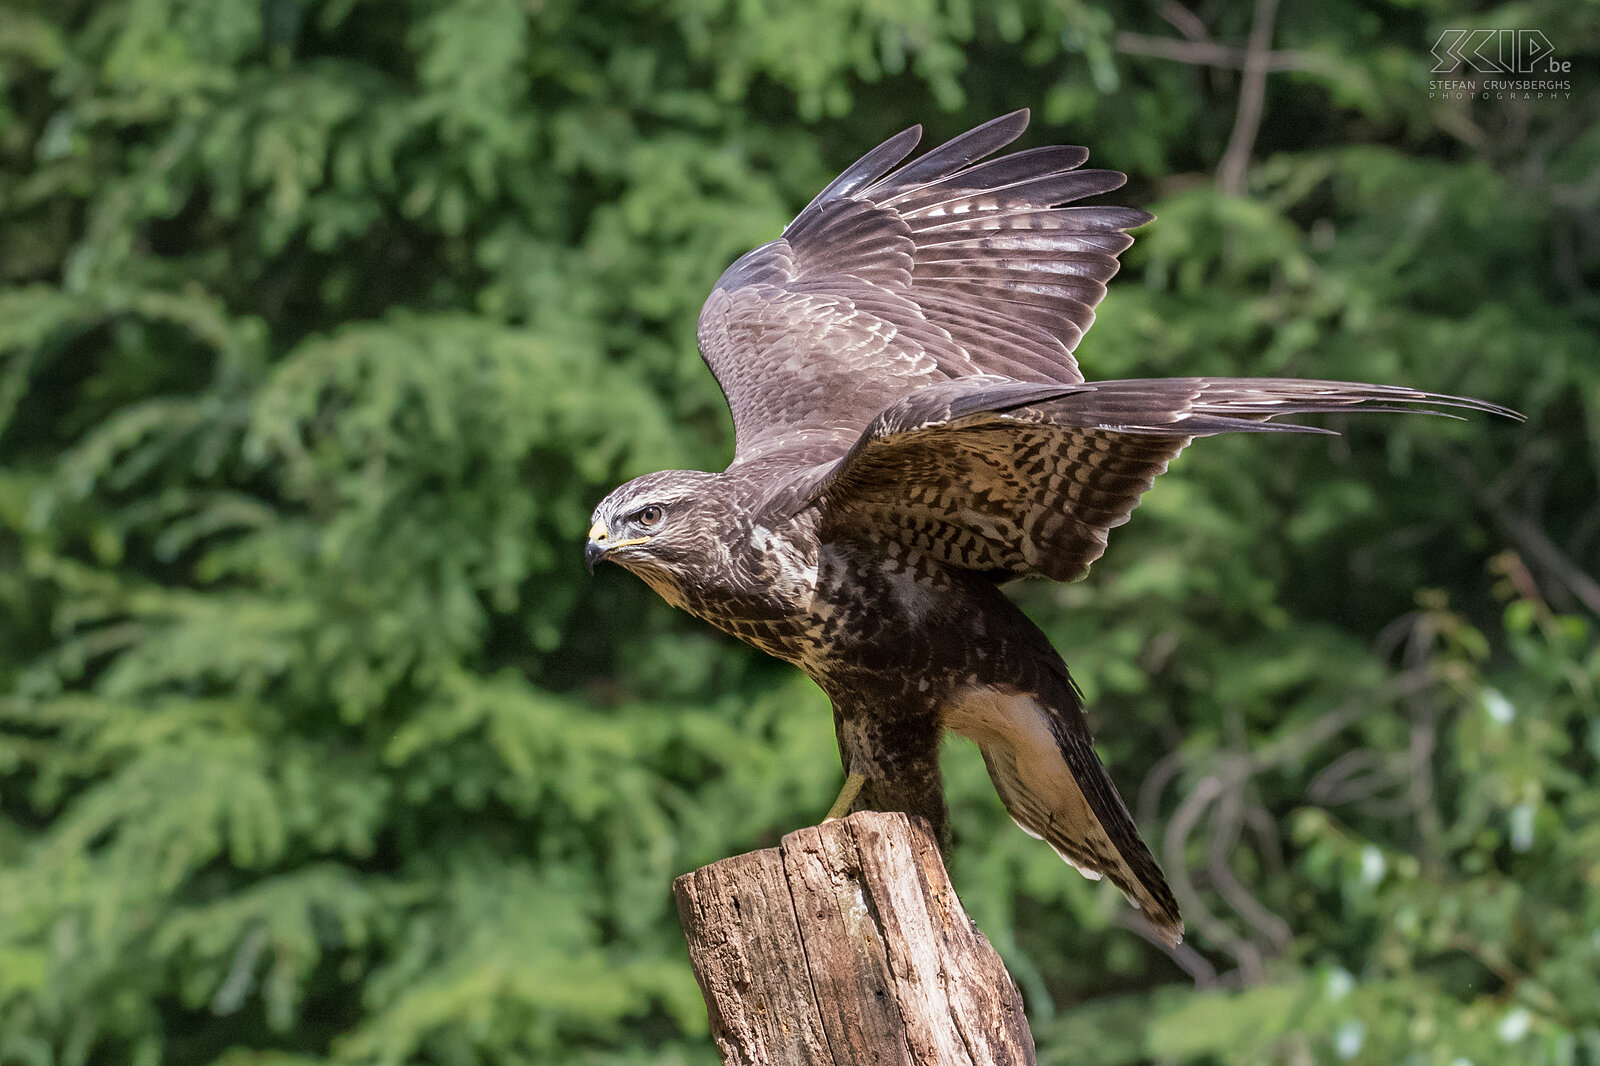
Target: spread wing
{"type": "Point", "coordinates": [895, 279]}
{"type": "Point", "coordinates": [1018, 478]}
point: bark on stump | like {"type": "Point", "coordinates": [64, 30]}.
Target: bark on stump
{"type": "Point", "coordinates": [846, 946]}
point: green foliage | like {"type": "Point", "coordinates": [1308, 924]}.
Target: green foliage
{"type": "Point", "coordinates": [322, 327]}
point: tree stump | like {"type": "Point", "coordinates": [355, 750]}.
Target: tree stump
{"type": "Point", "coordinates": [846, 946]}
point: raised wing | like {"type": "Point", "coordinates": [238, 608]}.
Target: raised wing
{"type": "Point", "coordinates": [1018, 478]}
{"type": "Point", "coordinates": [895, 279]}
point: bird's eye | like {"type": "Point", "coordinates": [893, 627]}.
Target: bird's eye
{"type": "Point", "coordinates": [648, 516]}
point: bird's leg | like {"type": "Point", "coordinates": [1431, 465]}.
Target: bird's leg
{"type": "Point", "coordinates": [847, 796]}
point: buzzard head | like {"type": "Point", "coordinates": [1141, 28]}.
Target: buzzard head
{"type": "Point", "coordinates": [660, 527]}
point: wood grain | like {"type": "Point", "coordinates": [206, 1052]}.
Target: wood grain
{"type": "Point", "coordinates": [847, 946]}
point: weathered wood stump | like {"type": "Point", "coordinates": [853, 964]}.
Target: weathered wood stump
{"type": "Point", "coordinates": [846, 946]}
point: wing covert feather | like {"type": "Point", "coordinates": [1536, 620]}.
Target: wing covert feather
{"type": "Point", "coordinates": [1020, 478]}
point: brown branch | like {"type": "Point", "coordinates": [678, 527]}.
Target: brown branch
{"type": "Point", "coordinates": [1225, 835]}
{"type": "Point", "coordinates": [1217, 801]}
{"type": "Point", "coordinates": [1209, 53]}
{"type": "Point", "coordinates": [1184, 821]}
{"type": "Point", "coordinates": [1188, 959]}
{"type": "Point", "coordinates": [1532, 540]}
{"type": "Point", "coordinates": [1235, 166]}
{"type": "Point", "coordinates": [1183, 20]}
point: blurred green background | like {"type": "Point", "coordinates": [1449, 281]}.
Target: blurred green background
{"type": "Point", "coordinates": [324, 325]}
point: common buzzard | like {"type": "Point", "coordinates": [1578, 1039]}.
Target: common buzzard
{"type": "Point", "coordinates": [912, 431]}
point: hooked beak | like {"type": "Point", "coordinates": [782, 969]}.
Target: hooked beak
{"type": "Point", "coordinates": [597, 547]}
{"type": "Point", "coordinates": [600, 545]}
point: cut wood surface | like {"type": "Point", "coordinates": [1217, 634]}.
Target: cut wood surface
{"type": "Point", "coordinates": [846, 946]}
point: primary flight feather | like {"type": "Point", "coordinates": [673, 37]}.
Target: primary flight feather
{"type": "Point", "coordinates": [911, 429]}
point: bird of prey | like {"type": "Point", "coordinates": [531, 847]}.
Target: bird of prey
{"type": "Point", "coordinates": [912, 431]}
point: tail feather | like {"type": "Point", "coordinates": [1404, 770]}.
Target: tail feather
{"type": "Point", "coordinates": [1056, 789]}
{"type": "Point", "coordinates": [1070, 825]}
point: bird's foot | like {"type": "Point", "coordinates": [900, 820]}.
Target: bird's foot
{"type": "Point", "coordinates": [847, 796]}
